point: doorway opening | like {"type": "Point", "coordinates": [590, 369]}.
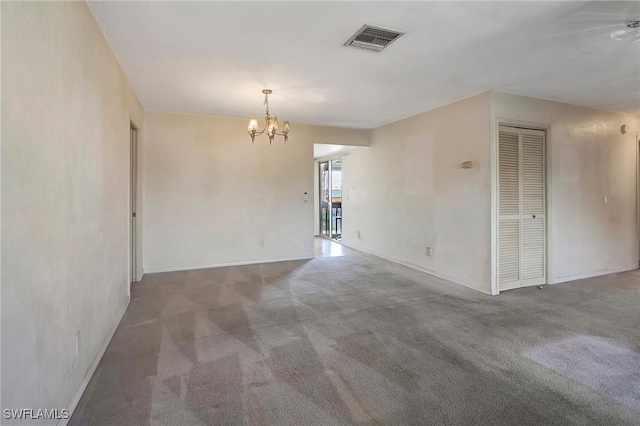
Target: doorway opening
{"type": "Point", "coordinates": [330, 192]}
{"type": "Point", "coordinates": [133, 191]}
{"type": "Point", "coordinates": [522, 223]}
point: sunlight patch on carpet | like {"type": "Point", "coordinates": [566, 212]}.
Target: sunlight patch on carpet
{"type": "Point", "coordinates": [595, 362]}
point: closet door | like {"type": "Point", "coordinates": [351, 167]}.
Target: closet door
{"type": "Point", "coordinates": [533, 207]}
{"type": "Point", "coordinates": [521, 221]}
{"type": "Point", "coordinates": [509, 208]}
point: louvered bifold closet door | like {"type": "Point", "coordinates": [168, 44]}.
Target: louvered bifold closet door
{"type": "Point", "coordinates": [533, 209]}
{"type": "Point", "coordinates": [509, 208]}
{"type": "Point", "coordinates": [521, 224]}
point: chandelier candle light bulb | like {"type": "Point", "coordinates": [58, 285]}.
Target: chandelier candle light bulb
{"type": "Point", "coordinates": [270, 123]}
{"type": "Point", "coordinates": [253, 124]}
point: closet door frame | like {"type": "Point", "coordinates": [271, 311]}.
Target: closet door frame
{"type": "Point", "coordinates": [495, 190]}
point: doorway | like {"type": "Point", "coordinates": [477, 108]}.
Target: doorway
{"type": "Point", "coordinates": [133, 203]}
{"type": "Point", "coordinates": [330, 192]}
{"type": "Point", "coordinates": [521, 207]}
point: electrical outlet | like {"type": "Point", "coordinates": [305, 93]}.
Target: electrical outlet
{"type": "Point", "coordinates": [78, 342]}
{"type": "Point", "coordinates": [429, 251]}
{"type": "Point", "coordinates": [357, 234]}
{"type": "Point", "coordinates": [261, 242]}
{"type": "Point", "coordinates": [605, 200]}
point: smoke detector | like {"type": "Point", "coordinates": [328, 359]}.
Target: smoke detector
{"type": "Point", "coordinates": [373, 38]}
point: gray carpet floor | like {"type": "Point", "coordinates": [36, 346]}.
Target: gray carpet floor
{"type": "Point", "coordinates": [357, 340]}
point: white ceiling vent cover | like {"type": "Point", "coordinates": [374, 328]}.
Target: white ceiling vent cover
{"type": "Point", "coordinates": [373, 38]}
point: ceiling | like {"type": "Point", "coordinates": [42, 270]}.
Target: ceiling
{"type": "Point", "coordinates": [216, 57]}
{"type": "Point", "coordinates": [324, 151]}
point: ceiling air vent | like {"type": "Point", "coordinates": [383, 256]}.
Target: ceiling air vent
{"type": "Point", "coordinates": [373, 38]}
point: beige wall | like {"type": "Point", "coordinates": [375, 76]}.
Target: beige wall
{"type": "Point", "coordinates": [66, 107]}
{"type": "Point", "coordinates": [211, 195]}
{"type": "Point", "coordinates": [587, 158]}
{"type": "Point", "coordinates": [409, 191]}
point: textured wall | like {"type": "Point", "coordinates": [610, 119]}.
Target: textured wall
{"type": "Point", "coordinates": [588, 158]}
{"type": "Point", "coordinates": [211, 195]}
{"type": "Point", "coordinates": [408, 191]}
{"type": "Point", "coordinates": [66, 109]}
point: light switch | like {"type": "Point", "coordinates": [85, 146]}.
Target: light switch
{"type": "Point", "coordinates": [605, 200]}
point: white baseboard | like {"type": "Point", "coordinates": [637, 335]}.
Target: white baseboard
{"type": "Point", "coordinates": [420, 268]}
{"type": "Point", "coordinates": [154, 270]}
{"type": "Point", "coordinates": [583, 275]}
{"type": "Point", "coordinates": [75, 399]}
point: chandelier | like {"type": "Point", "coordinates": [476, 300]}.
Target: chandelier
{"type": "Point", "coordinates": [270, 123]}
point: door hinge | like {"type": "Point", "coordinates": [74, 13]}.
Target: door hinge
{"type": "Point", "coordinates": [134, 214]}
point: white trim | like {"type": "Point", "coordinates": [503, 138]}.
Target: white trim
{"type": "Point", "coordinates": [155, 270]}
{"type": "Point", "coordinates": [133, 164]}
{"type": "Point", "coordinates": [419, 268]}
{"type": "Point", "coordinates": [495, 125]}
{"type": "Point", "coordinates": [548, 202]}
{"type": "Point", "coordinates": [598, 273]}
{"type": "Point", "coordinates": [82, 386]}
{"type": "Point", "coordinates": [137, 123]}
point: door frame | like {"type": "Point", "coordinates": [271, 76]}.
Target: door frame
{"type": "Point", "coordinates": [638, 198]}
{"type": "Point", "coordinates": [332, 218]}
{"type": "Point", "coordinates": [317, 162]}
{"type": "Point", "coordinates": [320, 183]}
{"type": "Point", "coordinates": [495, 190]}
{"type": "Point", "coordinates": [134, 179]}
